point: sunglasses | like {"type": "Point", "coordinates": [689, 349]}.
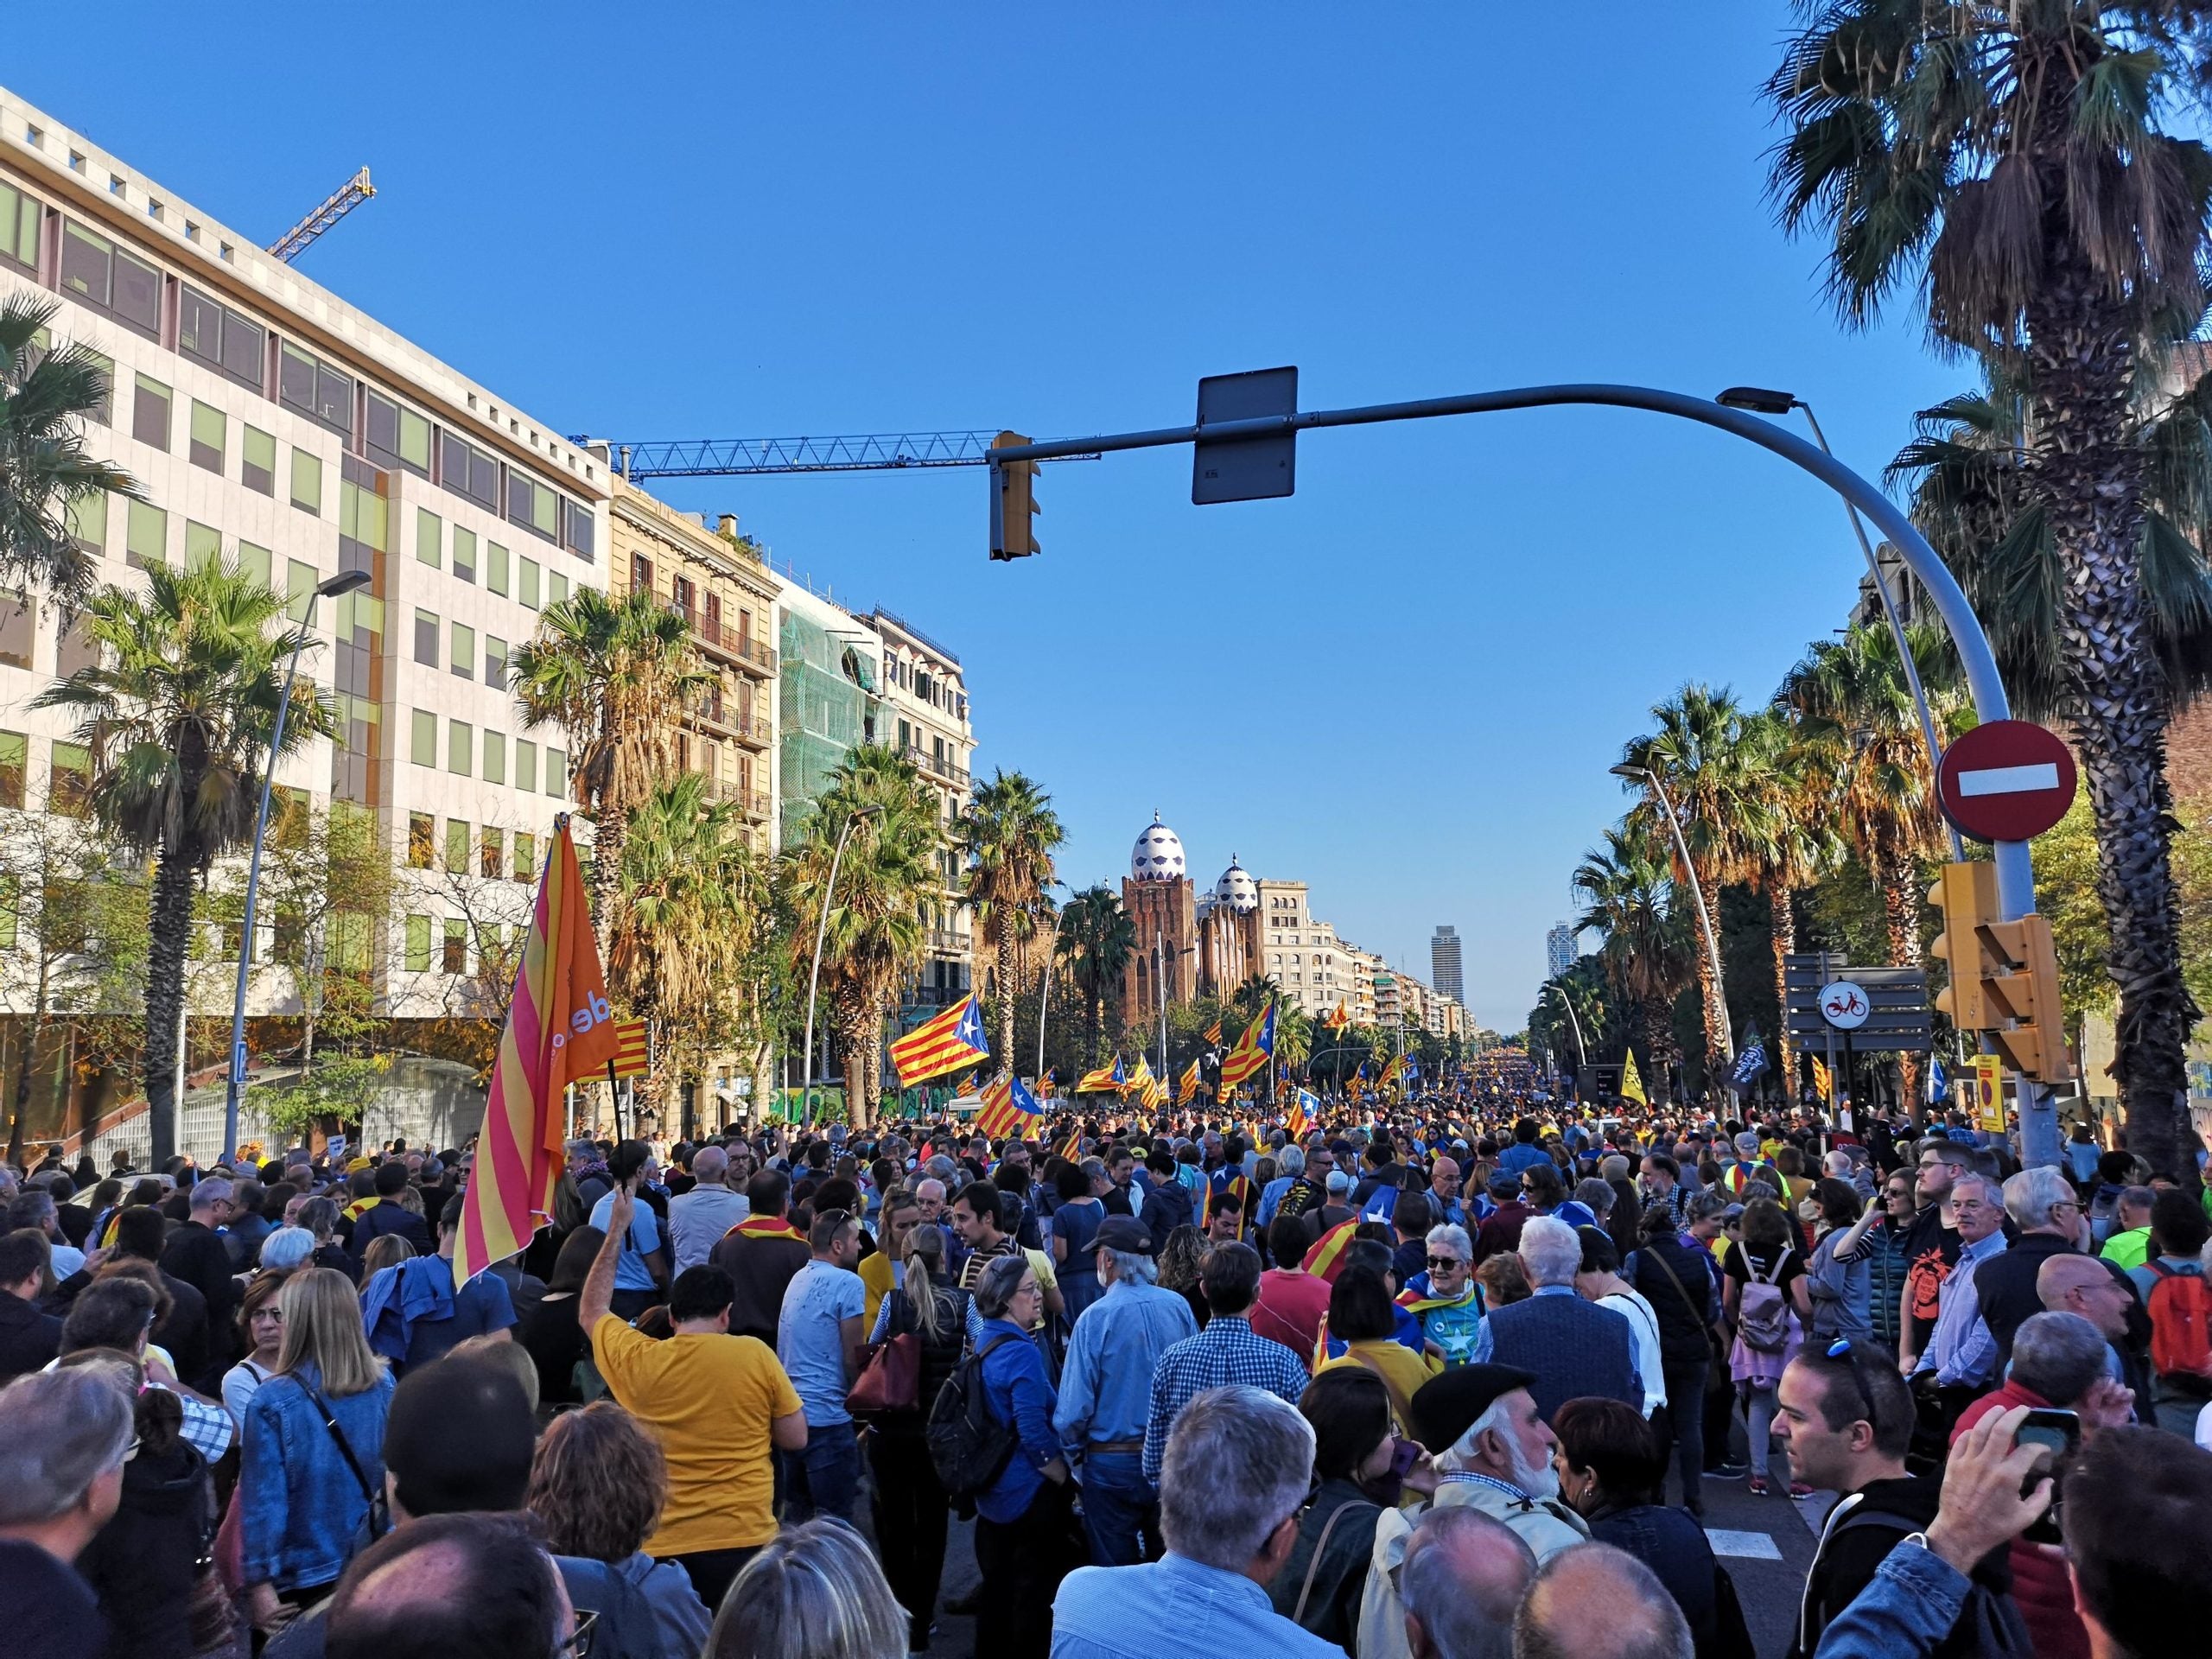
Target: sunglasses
{"type": "Point", "coordinates": [1444, 1263]}
{"type": "Point", "coordinates": [1841, 1348]}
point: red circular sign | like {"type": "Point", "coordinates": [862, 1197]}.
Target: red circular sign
{"type": "Point", "coordinates": [2007, 780]}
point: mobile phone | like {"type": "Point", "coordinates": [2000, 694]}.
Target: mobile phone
{"type": "Point", "coordinates": [2059, 1433]}
{"type": "Point", "coordinates": [1403, 1460]}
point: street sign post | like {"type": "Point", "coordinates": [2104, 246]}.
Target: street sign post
{"type": "Point", "coordinates": [2006, 781]}
{"type": "Point", "coordinates": [1245, 469]}
{"type": "Point", "coordinates": [1844, 1005]}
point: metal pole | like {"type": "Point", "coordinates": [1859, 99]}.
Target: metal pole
{"type": "Point", "coordinates": [1896, 631]}
{"type": "Point", "coordinates": [1045, 992]}
{"type": "Point", "coordinates": [814, 978]}
{"type": "Point", "coordinates": [234, 1091]}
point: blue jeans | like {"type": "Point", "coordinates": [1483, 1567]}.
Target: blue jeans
{"type": "Point", "coordinates": [825, 1478]}
{"type": "Point", "coordinates": [1121, 1510]}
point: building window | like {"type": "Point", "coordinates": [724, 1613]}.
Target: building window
{"type": "Point", "coordinates": [457, 846]}
{"type": "Point", "coordinates": [421, 840]}
{"type": "Point", "coordinates": [525, 767]}
{"type": "Point", "coordinates": [103, 276]}
{"type": "Point", "coordinates": [460, 748]}
{"type": "Point", "coordinates": [149, 413]}
{"type": "Point", "coordinates": [495, 757]}
{"type": "Point", "coordinates": [492, 855]}
{"type": "Point", "coordinates": [69, 784]}
{"type": "Point", "coordinates": [19, 222]}
{"type": "Point", "coordinates": [641, 573]}
{"type": "Point", "coordinates": [429, 537]}
{"type": "Point", "coordinates": [257, 461]}
{"type": "Point", "coordinates": [466, 470]}
{"type": "Point", "coordinates": [532, 506]}
{"type": "Point", "coordinates": [423, 747]}
{"type": "Point", "coordinates": [206, 441]}
{"type": "Point", "coordinates": [308, 384]}
{"type": "Point", "coordinates": [88, 517]}
{"type": "Point", "coordinates": [426, 638]}
{"type": "Point", "coordinates": [299, 590]}
{"type": "Point", "coordinates": [464, 553]}
{"type": "Point", "coordinates": [529, 593]}
{"type": "Point", "coordinates": [557, 772]}
{"type": "Point", "coordinates": [18, 631]}
{"type": "Point", "coordinates": [15, 761]}
{"type": "Point", "coordinates": [74, 648]}
{"type": "Point", "coordinates": [495, 662]}
{"type": "Point", "coordinates": [526, 855]}
{"type": "Point", "coordinates": [418, 944]}
{"type": "Point", "coordinates": [462, 662]}
{"type": "Point", "coordinates": [576, 529]}
{"type": "Point", "coordinates": [146, 535]}
{"type": "Point", "coordinates": [495, 566]}
{"type": "Point", "coordinates": [455, 959]}
{"type": "Point", "coordinates": [203, 545]}
{"type": "Point", "coordinates": [556, 589]}
{"type": "Point", "coordinates": [396, 437]}
{"type": "Point", "coordinates": [307, 482]}
{"type": "Point", "coordinates": [212, 332]}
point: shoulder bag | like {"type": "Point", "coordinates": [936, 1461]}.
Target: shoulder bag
{"type": "Point", "coordinates": [378, 1520]}
{"type": "Point", "coordinates": [891, 1379]}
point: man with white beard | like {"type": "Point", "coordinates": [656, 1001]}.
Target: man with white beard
{"type": "Point", "coordinates": [1498, 1458]}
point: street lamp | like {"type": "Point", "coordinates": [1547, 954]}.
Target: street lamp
{"type": "Point", "coordinates": [1044, 991]}
{"type": "Point", "coordinates": [1575, 1024]}
{"type": "Point", "coordinates": [234, 1091]}
{"type": "Point", "coordinates": [1761, 401]}
{"type": "Point", "coordinates": [1697, 892]}
{"type": "Point", "coordinates": [821, 930]}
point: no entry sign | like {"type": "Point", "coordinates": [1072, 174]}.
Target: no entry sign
{"type": "Point", "coordinates": [2007, 781]}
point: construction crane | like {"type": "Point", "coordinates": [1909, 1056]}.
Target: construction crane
{"type": "Point", "coordinates": [348, 196]}
{"type": "Point", "coordinates": [737, 457]}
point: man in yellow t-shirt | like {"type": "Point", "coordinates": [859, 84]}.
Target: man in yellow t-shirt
{"type": "Point", "coordinates": [717, 1404]}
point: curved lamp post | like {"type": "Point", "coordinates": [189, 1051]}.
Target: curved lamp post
{"type": "Point", "coordinates": [821, 932]}
{"type": "Point", "coordinates": [234, 1091]}
{"type": "Point", "coordinates": [1044, 991]}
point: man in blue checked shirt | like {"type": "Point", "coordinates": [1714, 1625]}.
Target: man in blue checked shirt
{"type": "Point", "coordinates": [1961, 1354]}
{"type": "Point", "coordinates": [1106, 1392]}
{"type": "Point", "coordinates": [1227, 1353]}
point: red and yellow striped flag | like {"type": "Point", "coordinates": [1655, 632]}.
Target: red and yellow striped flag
{"type": "Point", "coordinates": [1328, 1256]}
{"type": "Point", "coordinates": [559, 1029]}
{"type": "Point", "coordinates": [945, 1043]}
{"type": "Point", "coordinates": [631, 1057]}
{"type": "Point", "coordinates": [1187, 1087]}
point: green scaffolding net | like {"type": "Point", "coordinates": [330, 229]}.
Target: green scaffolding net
{"type": "Point", "coordinates": [820, 712]}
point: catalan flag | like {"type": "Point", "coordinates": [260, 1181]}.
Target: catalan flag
{"type": "Point", "coordinates": [1151, 1093]}
{"type": "Point", "coordinates": [952, 1039]}
{"type": "Point", "coordinates": [1107, 1079]}
{"type": "Point", "coordinates": [1187, 1088]}
{"type": "Point", "coordinates": [1045, 1084]}
{"type": "Point", "coordinates": [1304, 1109]}
{"type": "Point", "coordinates": [1071, 1149]}
{"type": "Point", "coordinates": [1240, 1187]}
{"type": "Point", "coordinates": [1393, 1073]}
{"type": "Point", "coordinates": [559, 1028]}
{"type": "Point", "coordinates": [1008, 1109]}
{"type": "Point", "coordinates": [632, 1056]}
{"type": "Point", "coordinates": [1253, 1051]}
{"type": "Point", "coordinates": [1213, 1032]}
{"type": "Point", "coordinates": [1328, 1256]}
{"type": "Point", "coordinates": [1339, 1017]}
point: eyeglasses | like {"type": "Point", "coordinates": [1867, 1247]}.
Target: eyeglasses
{"type": "Point", "coordinates": [578, 1645]}
{"type": "Point", "coordinates": [1444, 1263]}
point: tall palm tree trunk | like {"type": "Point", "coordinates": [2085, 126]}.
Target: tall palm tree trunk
{"type": "Point", "coordinates": [1782, 916]}
{"type": "Point", "coordinates": [1009, 959]}
{"type": "Point", "coordinates": [855, 1019]}
{"type": "Point", "coordinates": [169, 922]}
{"type": "Point", "coordinates": [2089, 475]}
{"type": "Point", "coordinates": [607, 876]}
{"type": "Point", "coordinates": [1713, 1002]}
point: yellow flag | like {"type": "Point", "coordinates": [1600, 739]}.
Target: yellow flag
{"type": "Point", "coordinates": [1631, 1085]}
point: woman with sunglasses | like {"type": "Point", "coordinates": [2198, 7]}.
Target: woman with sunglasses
{"type": "Point", "coordinates": [1886, 1257]}
{"type": "Point", "coordinates": [1837, 1276]}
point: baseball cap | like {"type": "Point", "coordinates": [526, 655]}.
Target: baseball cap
{"type": "Point", "coordinates": [1124, 1233]}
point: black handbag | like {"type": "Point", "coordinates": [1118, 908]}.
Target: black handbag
{"type": "Point", "coordinates": [378, 1520]}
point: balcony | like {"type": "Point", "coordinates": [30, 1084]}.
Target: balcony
{"type": "Point", "coordinates": [928, 761]}
{"type": "Point", "coordinates": [755, 802]}
{"type": "Point", "coordinates": [720, 717]}
{"type": "Point", "coordinates": [945, 943]}
{"type": "Point", "coordinates": [745, 650]}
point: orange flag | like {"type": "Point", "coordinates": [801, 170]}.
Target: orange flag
{"type": "Point", "coordinates": [560, 1028]}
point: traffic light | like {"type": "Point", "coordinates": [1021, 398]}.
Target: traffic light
{"type": "Point", "coordinates": [1014, 503]}
{"type": "Point", "coordinates": [2004, 975]}
{"type": "Point", "coordinates": [1965, 893]}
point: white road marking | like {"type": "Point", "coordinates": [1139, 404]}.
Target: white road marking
{"type": "Point", "coordinates": [2010, 780]}
{"type": "Point", "coordinates": [1748, 1546]}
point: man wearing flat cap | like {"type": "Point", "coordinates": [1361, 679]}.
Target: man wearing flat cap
{"type": "Point", "coordinates": [1105, 1397]}
{"type": "Point", "coordinates": [1492, 1452]}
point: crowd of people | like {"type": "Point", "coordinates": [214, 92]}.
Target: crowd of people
{"type": "Point", "coordinates": [1446, 1382]}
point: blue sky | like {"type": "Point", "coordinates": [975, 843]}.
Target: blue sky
{"type": "Point", "coordinates": [1403, 684]}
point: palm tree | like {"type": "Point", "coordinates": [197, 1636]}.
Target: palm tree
{"type": "Point", "coordinates": [46, 399]}
{"type": "Point", "coordinates": [177, 712]}
{"type": "Point", "coordinates": [1793, 845]}
{"type": "Point", "coordinates": [1097, 939]}
{"type": "Point", "coordinates": [2015, 158]}
{"type": "Point", "coordinates": [877, 936]}
{"type": "Point", "coordinates": [1009, 832]}
{"type": "Point", "coordinates": [611, 673]}
{"type": "Point", "coordinates": [1700, 753]}
{"type": "Point", "coordinates": [1864, 749]}
{"type": "Point", "coordinates": [688, 884]}
{"type": "Point", "coordinates": [1647, 954]}
{"type": "Point", "coordinates": [1571, 1016]}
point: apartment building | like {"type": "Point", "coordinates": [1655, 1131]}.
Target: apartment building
{"type": "Point", "coordinates": [1303, 954]}
{"type": "Point", "coordinates": [266, 419]}
{"type": "Point", "coordinates": [716, 580]}
{"type": "Point", "coordinates": [923, 712]}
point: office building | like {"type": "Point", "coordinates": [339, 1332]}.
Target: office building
{"type": "Point", "coordinates": [1559, 949]}
{"type": "Point", "coordinates": [1443, 962]}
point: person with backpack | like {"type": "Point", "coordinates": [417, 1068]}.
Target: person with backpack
{"type": "Point", "coordinates": [1765, 1296]}
{"type": "Point", "coordinates": [2175, 1289]}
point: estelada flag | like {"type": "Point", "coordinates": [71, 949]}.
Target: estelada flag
{"type": "Point", "coordinates": [1328, 1256]}
{"type": "Point", "coordinates": [1139, 1082]}
{"type": "Point", "coordinates": [1043, 1090]}
{"type": "Point", "coordinates": [559, 1029]}
{"type": "Point", "coordinates": [1213, 1032]}
{"type": "Point", "coordinates": [1250, 1058]}
{"type": "Point", "coordinates": [946, 1043]}
{"type": "Point", "coordinates": [1107, 1079]}
{"type": "Point", "coordinates": [1187, 1086]}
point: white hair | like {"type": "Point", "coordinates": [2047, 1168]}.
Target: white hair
{"type": "Point", "coordinates": [1289, 1160]}
{"type": "Point", "coordinates": [286, 1248]}
{"type": "Point", "coordinates": [2031, 1195]}
{"type": "Point", "coordinates": [1237, 1465]}
{"type": "Point", "coordinates": [1550, 1253]}
{"type": "Point", "coordinates": [1454, 1236]}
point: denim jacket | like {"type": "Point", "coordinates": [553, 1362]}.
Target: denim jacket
{"type": "Point", "coordinates": [299, 1503]}
{"type": "Point", "coordinates": [1909, 1606]}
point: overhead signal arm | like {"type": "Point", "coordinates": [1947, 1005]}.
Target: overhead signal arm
{"type": "Point", "coordinates": [743, 457]}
